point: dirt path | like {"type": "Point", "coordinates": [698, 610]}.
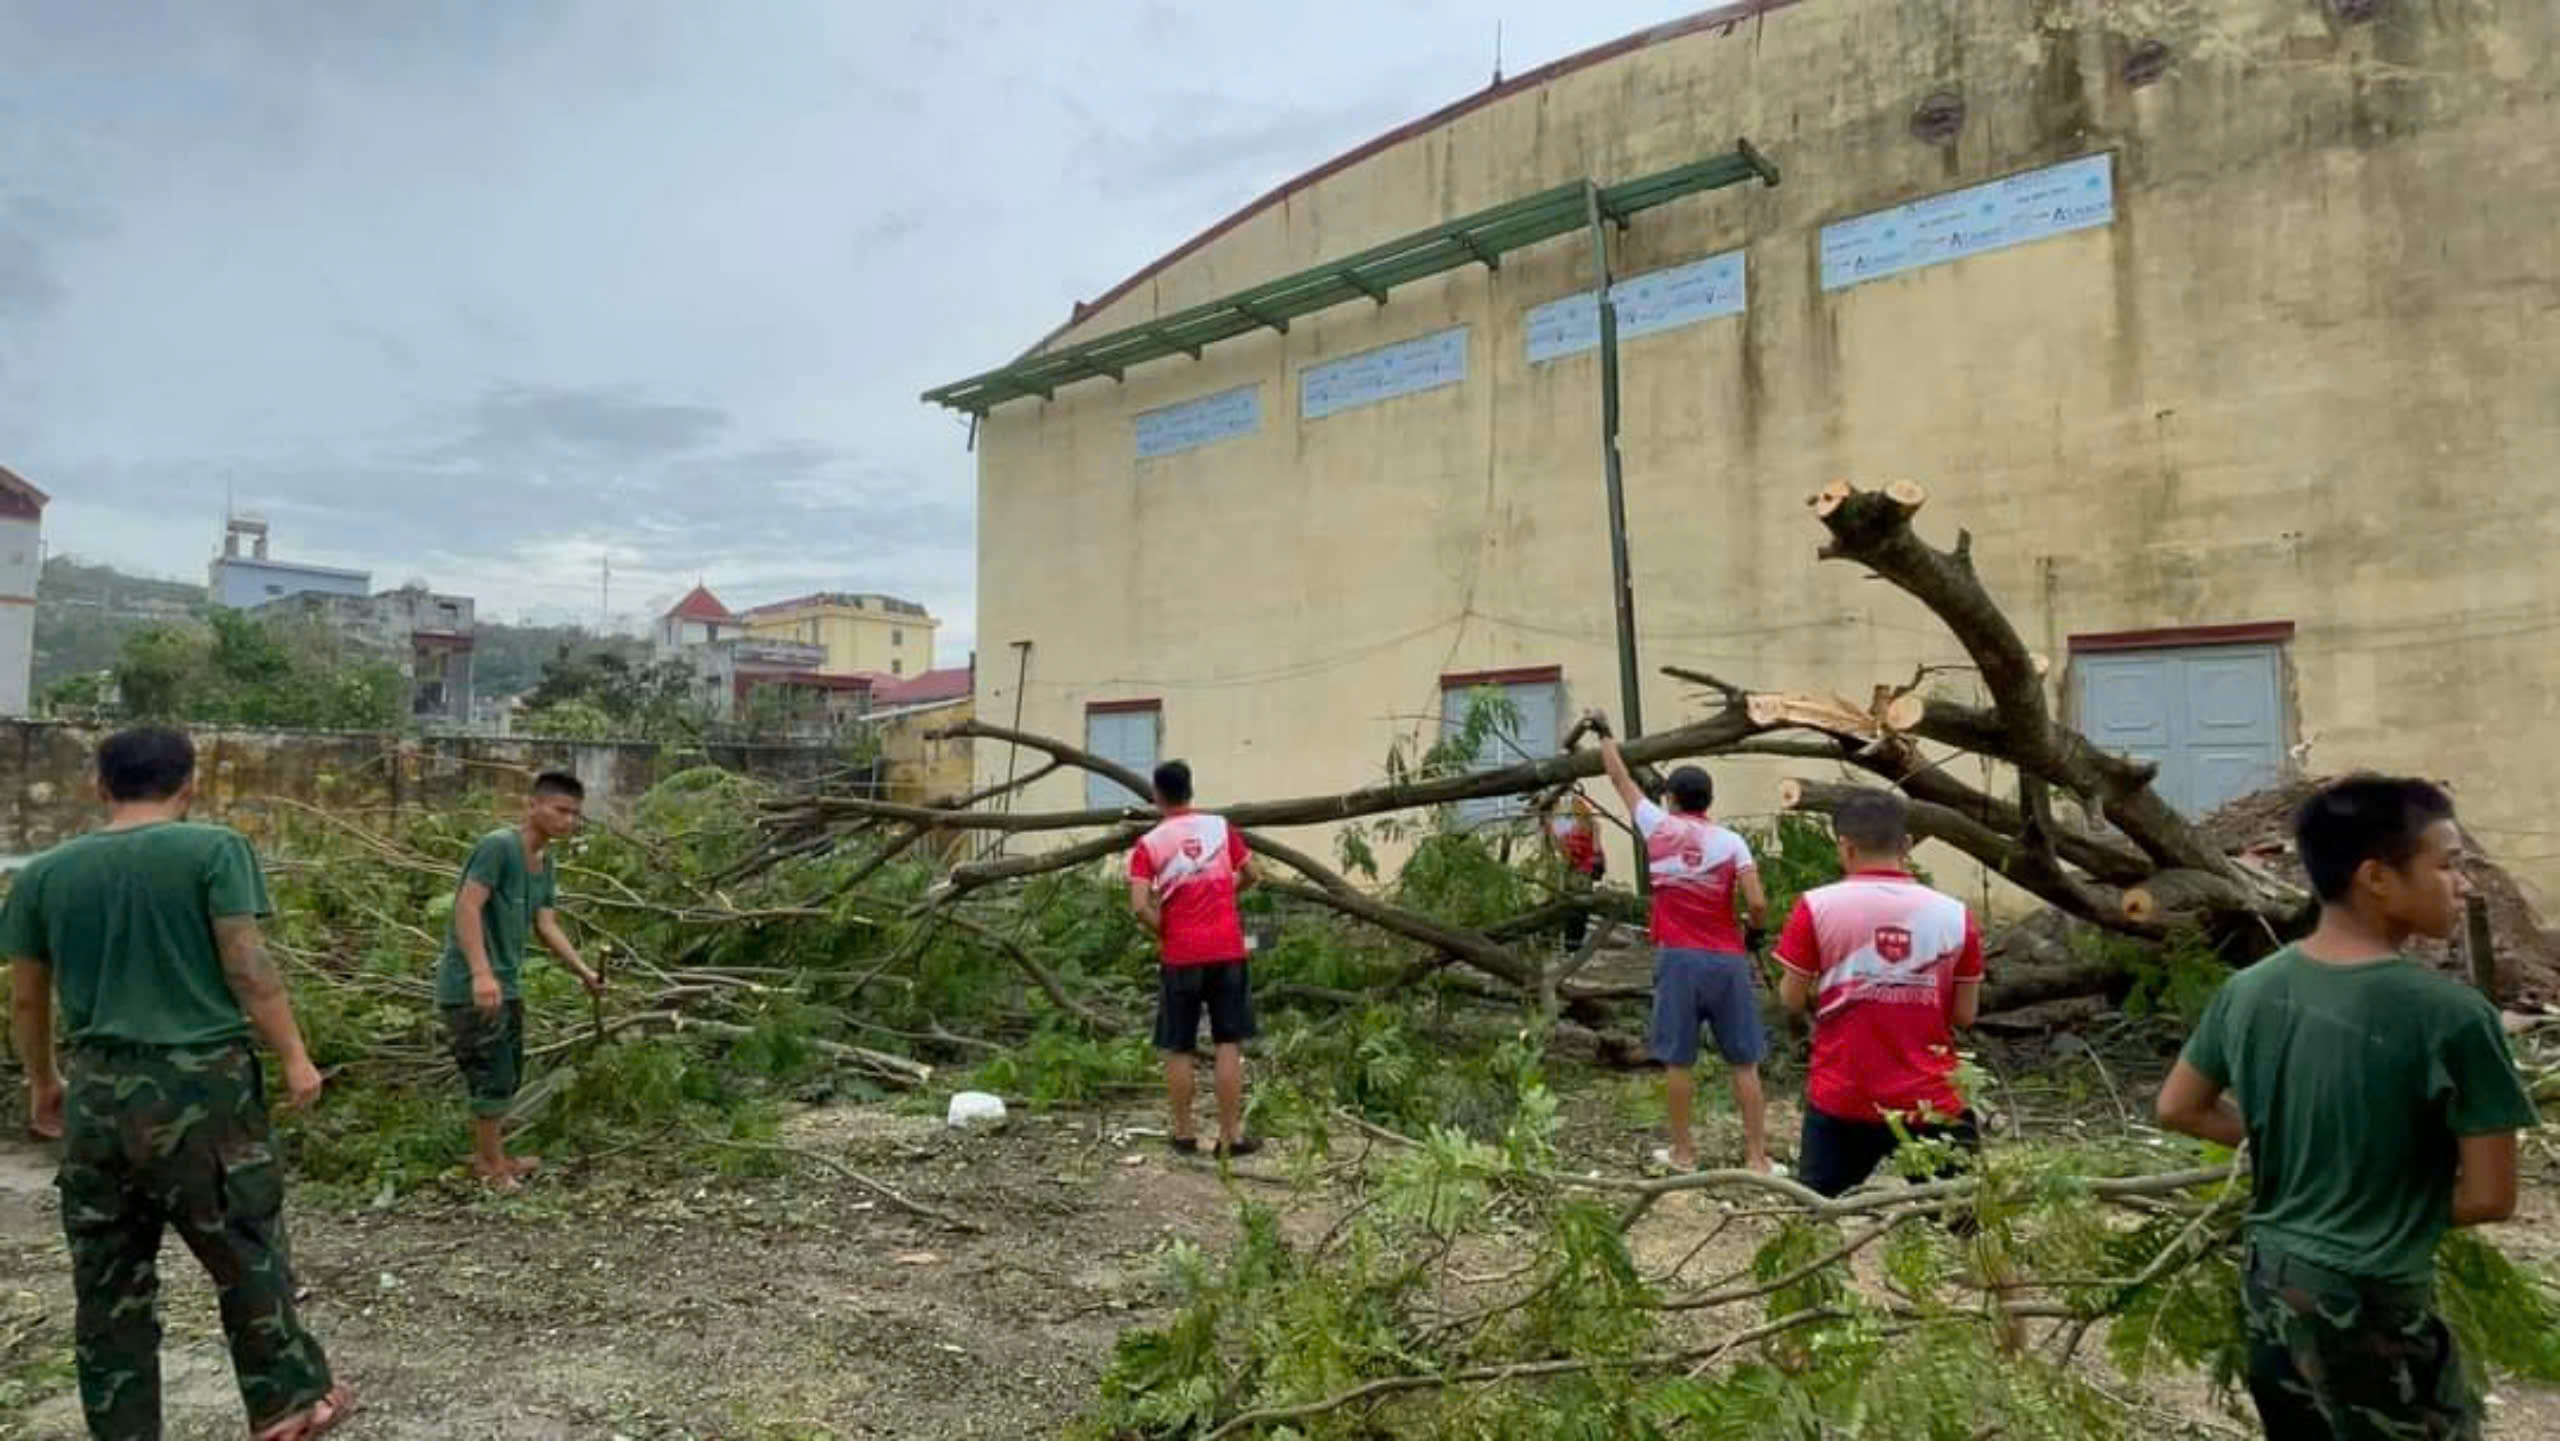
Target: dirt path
{"type": "Point", "coordinates": [638, 1302]}
{"type": "Point", "coordinates": [690, 1305]}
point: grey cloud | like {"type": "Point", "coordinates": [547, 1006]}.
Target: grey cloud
{"type": "Point", "coordinates": [35, 230]}
{"type": "Point", "coordinates": [546, 424]}
{"type": "Point", "coordinates": [495, 291]}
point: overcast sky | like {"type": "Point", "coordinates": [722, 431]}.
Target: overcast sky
{"type": "Point", "coordinates": [485, 291]}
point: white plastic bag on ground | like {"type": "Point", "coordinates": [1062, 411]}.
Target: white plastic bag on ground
{"type": "Point", "coordinates": [974, 1108]}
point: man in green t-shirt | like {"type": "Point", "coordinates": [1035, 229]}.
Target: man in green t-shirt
{"type": "Point", "coordinates": [2380, 1107]}
{"type": "Point", "coordinates": [509, 894]}
{"type": "Point", "coordinates": [147, 931]}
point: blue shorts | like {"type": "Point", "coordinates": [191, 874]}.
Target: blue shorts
{"type": "Point", "coordinates": [1694, 990]}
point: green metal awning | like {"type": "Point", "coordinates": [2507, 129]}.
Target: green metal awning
{"type": "Point", "coordinates": [1479, 239]}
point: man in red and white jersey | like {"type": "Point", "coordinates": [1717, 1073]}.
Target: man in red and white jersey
{"type": "Point", "coordinates": [1702, 960]}
{"type": "Point", "coordinates": [1575, 839]}
{"type": "Point", "coordinates": [1183, 879]}
{"type": "Point", "coordinates": [1888, 969]}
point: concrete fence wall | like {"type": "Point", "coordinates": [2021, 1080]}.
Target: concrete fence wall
{"type": "Point", "coordinates": [48, 786]}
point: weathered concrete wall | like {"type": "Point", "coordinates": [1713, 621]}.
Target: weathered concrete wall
{"type": "Point", "coordinates": [47, 778]}
{"type": "Point", "coordinates": [921, 767]}
{"type": "Point", "coordinates": [2307, 374]}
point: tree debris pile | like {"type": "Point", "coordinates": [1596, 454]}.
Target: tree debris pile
{"type": "Point", "coordinates": [2259, 827]}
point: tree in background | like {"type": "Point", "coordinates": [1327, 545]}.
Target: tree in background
{"type": "Point", "coordinates": [637, 701]}
{"type": "Point", "coordinates": [236, 670]}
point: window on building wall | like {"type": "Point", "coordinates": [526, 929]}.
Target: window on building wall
{"type": "Point", "coordinates": [897, 667]}
{"type": "Point", "coordinates": [897, 637]}
{"type": "Point", "coordinates": [1128, 732]}
{"type": "Point", "coordinates": [2206, 703]}
{"type": "Point", "coordinates": [1522, 719]}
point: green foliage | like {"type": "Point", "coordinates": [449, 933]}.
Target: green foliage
{"type": "Point", "coordinates": [636, 699]}
{"type": "Point", "coordinates": [1795, 853]}
{"type": "Point", "coordinates": [1458, 878]}
{"type": "Point", "coordinates": [2176, 978]}
{"type": "Point", "coordinates": [568, 720]}
{"type": "Point", "coordinates": [237, 670]}
{"type": "Point", "coordinates": [2503, 1316]}
{"type": "Point", "coordinates": [1058, 1066]}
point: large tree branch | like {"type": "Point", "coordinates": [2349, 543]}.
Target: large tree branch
{"type": "Point", "coordinates": [2004, 855]}
{"type": "Point", "coordinates": [1040, 975]}
{"type": "Point", "coordinates": [1873, 528]}
{"type": "Point", "coordinates": [1701, 737]}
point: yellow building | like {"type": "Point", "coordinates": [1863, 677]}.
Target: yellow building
{"type": "Point", "coordinates": [2230, 331]}
{"type": "Point", "coordinates": [879, 634]}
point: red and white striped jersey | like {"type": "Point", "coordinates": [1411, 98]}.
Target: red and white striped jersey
{"type": "Point", "coordinates": [1885, 954]}
{"type": "Point", "coordinates": [1190, 861]}
{"type": "Point", "coordinates": [1695, 865]}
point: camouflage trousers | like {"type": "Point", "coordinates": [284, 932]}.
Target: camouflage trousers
{"type": "Point", "coordinates": [2333, 1357]}
{"type": "Point", "coordinates": [159, 1137]}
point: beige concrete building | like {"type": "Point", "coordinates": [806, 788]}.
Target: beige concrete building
{"type": "Point", "coordinates": [2255, 426]}
{"type": "Point", "coordinates": [879, 634]}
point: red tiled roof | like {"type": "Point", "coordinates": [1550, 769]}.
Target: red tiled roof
{"type": "Point", "coordinates": [949, 683]}
{"type": "Point", "coordinates": [19, 498]}
{"type": "Point", "coordinates": [1721, 18]}
{"type": "Point", "coordinates": [700, 604]}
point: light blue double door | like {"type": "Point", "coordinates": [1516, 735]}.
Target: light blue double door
{"type": "Point", "coordinates": [2211, 717]}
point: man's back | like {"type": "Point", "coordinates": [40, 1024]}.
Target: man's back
{"type": "Point", "coordinates": [125, 919]}
{"type": "Point", "coordinates": [1694, 864]}
{"type": "Point", "coordinates": [1885, 954]}
{"type": "Point", "coordinates": [2355, 1082]}
{"type": "Point", "coordinates": [1190, 861]}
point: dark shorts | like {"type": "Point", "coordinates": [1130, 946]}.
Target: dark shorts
{"type": "Point", "coordinates": [1184, 992]}
{"type": "Point", "coordinates": [2334, 1357]}
{"type": "Point", "coordinates": [1835, 1154]}
{"type": "Point", "coordinates": [1694, 991]}
{"type": "Point", "coordinates": [489, 1051]}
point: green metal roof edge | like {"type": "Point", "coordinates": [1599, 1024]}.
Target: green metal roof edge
{"type": "Point", "coordinates": [1478, 239]}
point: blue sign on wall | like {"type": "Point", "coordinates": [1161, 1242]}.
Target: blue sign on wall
{"type": "Point", "coordinates": [2075, 195]}
{"type": "Point", "coordinates": [1198, 422]}
{"type": "Point", "coordinates": [1425, 363]}
{"type": "Point", "coordinates": [1657, 300]}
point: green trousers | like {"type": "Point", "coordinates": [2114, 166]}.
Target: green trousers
{"type": "Point", "coordinates": [2336, 1358]}
{"type": "Point", "coordinates": [161, 1137]}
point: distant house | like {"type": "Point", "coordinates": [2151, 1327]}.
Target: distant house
{"type": "Point", "coordinates": [934, 687]}
{"type": "Point", "coordinates": [731, 664]}
{"type": "Point", "coordinates": [860, 632]}
{"type": "Point", "coordinates": [245, 582]}
{"type": "Point", "coordinates": [428, 635]}
{"type": "Point", "coordinates": [697, 620]}
{"type": "Point", "coordinates": [21, 559]}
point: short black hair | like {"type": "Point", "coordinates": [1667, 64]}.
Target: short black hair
{"type": "Point", "coordinates": [559, 783]}
{"type": "Point", "coordinates": [1690, 789]}
{"type": "Point", "coordinates": [1876, 821]}
{"type": "Point", "coordinates": [2364, 818]}
{"type": "Point", "coordinates": [146, 763]}
{"type": "Point", "coordinates": [1173, 783]}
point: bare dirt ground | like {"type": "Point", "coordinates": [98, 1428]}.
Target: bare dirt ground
{"type": "Point", "coordinates": [643, 1305]}
{"type": "Point", "coordinates": [627, 1300]}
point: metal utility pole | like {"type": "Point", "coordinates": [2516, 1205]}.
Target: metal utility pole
{"type": "Point", "coordinates": [1622, 584]}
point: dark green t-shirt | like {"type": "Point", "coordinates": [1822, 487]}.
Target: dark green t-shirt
{"type": "Point", "coordinates": [125, 921]}
{"type": "Point", "coordinates": [2356, 1082]}
{"type": "Point", "coordinates": [517, 894]}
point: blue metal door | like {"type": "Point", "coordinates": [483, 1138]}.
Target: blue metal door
{"type": "Point", "coordinates": [2211, 717]}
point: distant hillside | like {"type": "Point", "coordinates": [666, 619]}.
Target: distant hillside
{"type": "Point", "coordinates": [84, 612]}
